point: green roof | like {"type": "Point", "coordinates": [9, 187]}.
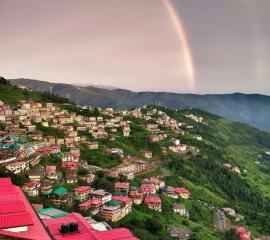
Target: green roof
{"type": "Point", "coordinates": [52, 212]}
{"type": "Point", "coordinates": [119, 193]}
{"type": "Point", "coordinates": [47, 193]}
{"type": "Point", "coordinates": [59, 191]}
{"type": "Point", "coordinates": [44, 209]}
{"type": "Point", "coordinates": [113, 203]}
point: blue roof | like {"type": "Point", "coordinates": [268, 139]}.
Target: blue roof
{"type": "Point", "coordinates": [9, 145]}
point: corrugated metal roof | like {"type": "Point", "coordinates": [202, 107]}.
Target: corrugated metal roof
{"type": "Point", "coordinates": [5, 181]}
{"type": "Point", "coordinates": [18, 220]}
{"type": "Point", "coordinates": [53, 212]}
{"type": "Point", "coordinates": [9, 197]}
{"type": "Point", "coordinates": [115, 234]}
{"type": "Point", "coordinates": [113, 203]}
{"type": "Point", "coordinates": [86, 231]}
{"type": "Point", "coordinates": [16, 211]}
{"type": "Point", "coordinates": [60, 190]}
{"type": "Point", "coordinates": [11, 207]}
{"type": "Point", "coordinates": [7, 189]}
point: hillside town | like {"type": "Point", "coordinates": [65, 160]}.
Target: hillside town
{"type": "Point", "coordinates": [47, 145]}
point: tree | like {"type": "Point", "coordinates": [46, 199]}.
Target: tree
{"type": "Point", "coordinates": [3, 81]}
{"type": "Point", "coordinates": [231, 234]}
{"type": "Point", "coordinates": [82, 171]}
{"type": "Point", "coordinates": [2, 126]}
{"type": "Point", "coordinates": [153, 225]}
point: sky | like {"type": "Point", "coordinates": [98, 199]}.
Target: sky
{"type": "Point", "coordinates": [185, 46]}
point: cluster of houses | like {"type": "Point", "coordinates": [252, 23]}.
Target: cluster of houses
{"type": "Point", "coordinates": [25, 118]}
{"type": "Point", "coordinates": [29, 114]}
{"type": "Point", "coordinates": [196, 118]}
{"type": "Point", "coordinates": [110, 206]}
{"type": "Point", "coordinates": [21, 220]}
{"type": "Point", "coordinates": [18, 154]}
{"type": "Point", "coordinates": [130, 166]}
{"type": "Point", "coordinates": [183, 148]}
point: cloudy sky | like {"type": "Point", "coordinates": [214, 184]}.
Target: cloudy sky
{"type": "Point", "coordinates": [136, 44]}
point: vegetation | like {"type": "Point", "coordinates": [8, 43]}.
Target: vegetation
{"type": "Point", "coordinates": [11, 94]}
{"type": "Point", "coordinates": [50, 131]}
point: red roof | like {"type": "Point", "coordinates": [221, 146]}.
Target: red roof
{"type": "Point", "coordinates": [82, 189]}
{"type": "Point", "coordinates": [8, 189]}
{"type": "Point", "coordinates": [155, 180]}
{"type": "Point", "coordinates": [55, 147]}
{"type": "Point", "coordinates": [9, 141]}
{"type": "Point", "coordinates": [151, 199]}
{"type": "Point", "coordinates": [11, 207]}
{"type": "Point", "coordinates": [115, 234]}
{"type": "Point", "coordinates": [50, 169]}
{"type": "Point", "coordinates": [125, 199]}
{"type": "Point", "coordinates": [147, 188]}
{"type": "Point", "coordinates": [5, 181]}
{"type": "Point", "coordinates": [86, 231]}
{"type": "Point", "coordinates": [181, 190]}
{"type": "Point", "coordinates": [135, 193]}
{"type": "Point", "coordinates": [9, 197]}
{"type": "Point", "coordinates": [91, 202]}
{"type": "Point", "coordinates": [29, 184]}
{"type": "Point", "coordinates": [48, 149]}
{"type": "Point", "coordinates": [240, 230]}
{"type": "Point", "coordinates": [16, 211]}
{"type": "Point", "coordinates": [70, 164]}
{"type": "Point", "coordinates": [11, 220]}
{"type": "Point", "coordinates": [126, 184]}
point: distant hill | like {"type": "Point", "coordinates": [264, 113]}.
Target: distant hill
{"type": "Point", "coordinates": [253, 109]}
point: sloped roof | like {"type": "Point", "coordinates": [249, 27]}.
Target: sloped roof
{"type": "Point", "coordinates": [86, 231]}
{"type": "Point", "coordinates": [52, 212]}
{"type": "Point", "coordinates": [59, 191]}
{"type": "Point", "coordinates": [113, 203]}
{"type": "Point", "coordinates": [16, 211]}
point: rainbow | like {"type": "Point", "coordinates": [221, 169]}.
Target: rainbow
{"type": "Point", "coordinates": [184, 43]}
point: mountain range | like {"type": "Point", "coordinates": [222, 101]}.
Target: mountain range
{"type": "Point", "coordinates": [253, 109]}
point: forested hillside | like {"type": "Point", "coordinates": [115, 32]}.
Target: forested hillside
{"type": "Point", "coordinates": [252, 109]}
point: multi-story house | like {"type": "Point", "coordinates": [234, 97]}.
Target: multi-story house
{"type": "Point", "coordinates": [147, 188]}
{"type": "Point", "coordinates": [180, 209]}
{"type": "Point", "coordinates": [114, 210]}
{"type": "Point", "coordinates": [182, 192]}
{"type": "Point", "coordinates": [82, 193]}
{"type": "Point", "coordinates": [18, 167]}
{"type": "Point", "coordinates": [31, 188]}
{"type": "Point", "coordinates": [136, 196]}
{"type": "Point", "coordinates": [121, 187]}
{"type": "Point", "coordinates": [60, 196]}
{"type": "Point", "coordinates": [102, 195]}
{"type": "Point", "coordinates": [93, 205]}
{"type": "Point", "coordinates": [50, 172]}
{"type": "Point", "coordinates": [153, 201]}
